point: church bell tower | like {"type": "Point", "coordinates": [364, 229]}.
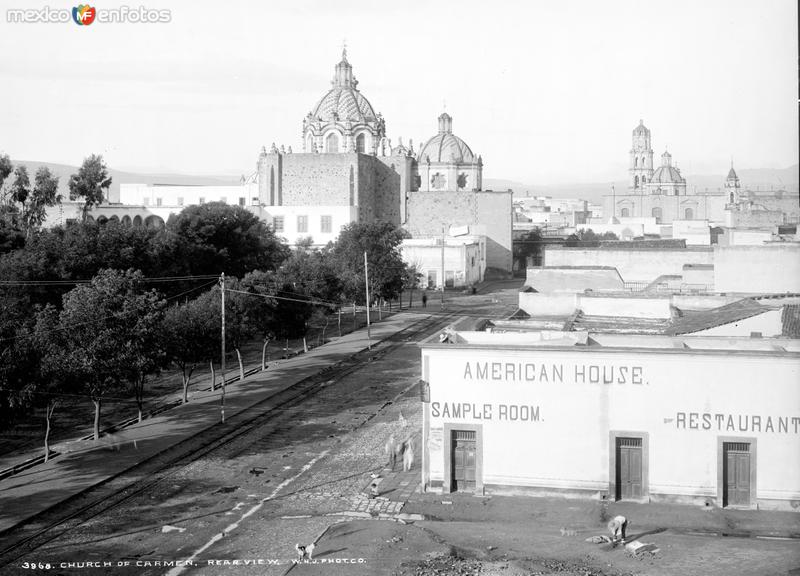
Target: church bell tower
{"type": "Point", "coordinates": [641, 158]}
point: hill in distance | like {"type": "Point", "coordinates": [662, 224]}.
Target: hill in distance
{"type": "Point", "coordinates": [761, 178]}
{"type": "Point", "coordinates": [755, 178]}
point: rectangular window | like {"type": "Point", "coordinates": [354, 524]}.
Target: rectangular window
{"type": "Point", "coordinates": [202, 200]}
{"type": "Point", "coordinates": [326, 224]}
{"type": "Point", "coordinates": [302, 224]}
{"type": "Point", "coordinates": [180, 200]}
{"type": "Point", "coordinates": [146, 201]}
{"type": "Point", "coordinates": [254, 201]}
{"type": "Point", "coordinates": [277, 223]}
{"type": "Point", "coordinates": [242, 201]}
{"type": "Point", "coordinates": [159, 201]}
{"type": "Point", "coordinates": [223, 199]}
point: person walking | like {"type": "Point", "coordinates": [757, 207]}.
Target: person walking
{"type": "Point", "coordinates": [424, 299]}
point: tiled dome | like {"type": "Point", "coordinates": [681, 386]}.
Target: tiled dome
{"type": "Point", "coordinates": [344, 99]}
{"type": "Point", "coordinates": [347, 103]}
{"type": "Point", "coordinates": [446, 146]}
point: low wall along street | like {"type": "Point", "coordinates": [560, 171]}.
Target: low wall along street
{"type": "Point", "coordinates": [557, 419]}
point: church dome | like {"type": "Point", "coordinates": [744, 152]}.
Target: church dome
{"type": "Point", "coordinates": [667, 173]}
{"type": "Point", "coordinates": [343, 102]}
{"type": "Point", "coordinates": [446, 146]}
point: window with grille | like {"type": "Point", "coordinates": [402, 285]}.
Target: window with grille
{"type": "Point", "coordinates": [463, 434]}
{"type": "Point", "coordinates": [277, 223]}
{"type": "Point", "coordinates": [302, 224]}
{"type": "Point", "coordinates": [630, 442]}
{"type": "Point", "coordinates": [242, 201]}
{"type": "Point", "coordinates": [159, 201]}
{"type": "Point", "coordinates": [737, 446]}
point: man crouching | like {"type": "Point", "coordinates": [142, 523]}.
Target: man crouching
{"type": "Point", "coordinates": [617, 526]}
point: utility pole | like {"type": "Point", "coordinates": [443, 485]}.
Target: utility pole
{"type": "Point", "coordinates": [444, 239]}
{"type": "Point", "coordinates": [366, 286]}
{"type": "Point", "coordinates": [222, 370]}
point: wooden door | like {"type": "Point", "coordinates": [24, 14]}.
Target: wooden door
{"type": "Point", "coordinates": [629, 468]}
{"type": "Point", "coordinates": [736, 471]}
{"type": "Point", "coordinates": [463, 464]}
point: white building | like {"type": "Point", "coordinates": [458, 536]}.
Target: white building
{"type": "Point", "coordinates": [462, 258]}
{"type": "Point", "coordinates": [643, 418]}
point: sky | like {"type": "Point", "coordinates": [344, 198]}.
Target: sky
{"type": "Point", "coordinates": [547, 91]}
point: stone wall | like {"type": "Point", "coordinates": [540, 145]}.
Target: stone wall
{"type": "Point", "coordinates": [485, 213]}
{"type": "Point", "coordinates": [375, 185]}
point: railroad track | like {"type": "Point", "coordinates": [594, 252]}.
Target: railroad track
{"type": "Point", "coordinates": [35, 532]}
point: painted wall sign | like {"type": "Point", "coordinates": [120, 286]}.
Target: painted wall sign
{"type": "Point", "coordinates": [472, 411]}
{"type": "Point", "coordinates": [532, 372]}
{"type": "Point", "coordinates": [737, 422]}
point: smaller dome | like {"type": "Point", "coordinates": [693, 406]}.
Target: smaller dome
{"type": "Point", "coordinates": [445, 146]}
{"type": "Point", "coordinates": [667, 175]}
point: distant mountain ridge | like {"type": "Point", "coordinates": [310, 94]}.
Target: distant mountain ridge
{"type": "Point", "coordinates": [64, 171]}
{"type": "Point", "coordinates": [751, 178]}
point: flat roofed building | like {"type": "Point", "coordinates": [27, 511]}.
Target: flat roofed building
{"type": "Point", "coordinates": [626, 417]}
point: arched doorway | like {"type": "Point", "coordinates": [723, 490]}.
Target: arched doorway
{"type": "Point", "coordinates": [154, 221]}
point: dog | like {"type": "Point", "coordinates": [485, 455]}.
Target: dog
{"type": "Point", "coordinates": [304, 552]}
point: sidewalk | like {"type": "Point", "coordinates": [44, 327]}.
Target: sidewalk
{"type": "Point", "coordinates": [83, 464]}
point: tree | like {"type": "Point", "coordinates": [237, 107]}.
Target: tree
{"type": "Point", "coordinates": [262, 307]}
{"type": "Point", "coordinates": [381, 242]}
{"type": "Point", "coordinates": [21, 384]}
{"type": "Point", "coordinates": [21, 187]}
{"type": "Point", "coordinates": [6, 167]}
{"type": "Point", "coordinates": [97, 331]}
{"type": "Point", "coordinates": [44, 194]}
{"type": "Point", "coordinates": [91, 182]}
{"type": "Point", "coordinates": [528, 246]}
{"type": "Point", "coordinates": [411, 278]}
{"type": "Point", "coordinates": [143, 350]}
{"type": "Point", "coordinates": [587, 237]}
{"type": "Point", "coordinates": [215, 238]}
{"type": "Point", "coordinates": [190, 337]}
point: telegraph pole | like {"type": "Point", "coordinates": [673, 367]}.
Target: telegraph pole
{"type": "Point", "coordinates": [366, 286]}
{"type": "Point", "coordinates": [222, 367]}
{"type": "Point", "coordinates": [444, 228]}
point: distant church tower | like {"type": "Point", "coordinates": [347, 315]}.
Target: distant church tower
{"type": "Point", "coordinates": [733, 188]}
{"type": "Point", "coordinates": [641, 165]}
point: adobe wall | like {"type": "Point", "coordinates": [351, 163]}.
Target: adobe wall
{"type": "Point", "coordinates": [771, 268]}
{"type": "Point", "coordinates": [633, 265]}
